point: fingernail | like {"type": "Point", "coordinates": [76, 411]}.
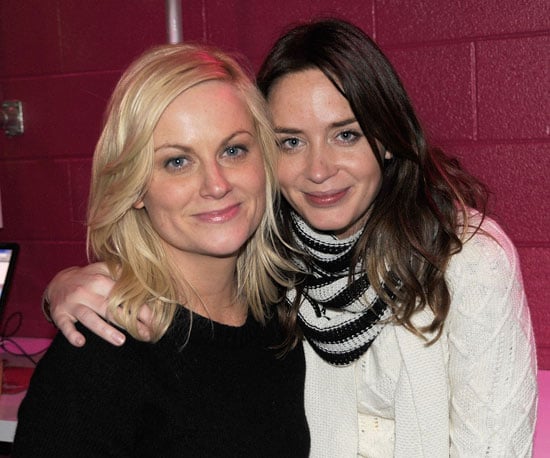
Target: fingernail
{"type": "Point", "coordinates": [118, 339]}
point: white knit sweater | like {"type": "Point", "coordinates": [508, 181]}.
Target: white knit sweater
{"type": "Point", "coordinates": [471, 394]}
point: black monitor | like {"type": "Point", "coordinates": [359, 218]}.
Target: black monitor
{"type": "Point", "coordinates": [8, 256]}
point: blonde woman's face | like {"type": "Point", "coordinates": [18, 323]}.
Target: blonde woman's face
{"type": "Point", "coordinates": [207, 194]}
{"type": "Point", "coordinates": [327, 169]}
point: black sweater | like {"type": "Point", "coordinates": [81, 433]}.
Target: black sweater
{"type": "Point", "coordinates": [224, 394]}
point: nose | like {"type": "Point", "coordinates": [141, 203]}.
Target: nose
{"type": "Point", "coordinates": [214, 182]}
{"type": "Point", "coordinates": [320, 163]}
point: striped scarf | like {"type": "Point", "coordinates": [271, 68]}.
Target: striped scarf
{"type": "Point", "coordinates": [339, 318]}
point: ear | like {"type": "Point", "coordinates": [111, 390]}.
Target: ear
{"type": "Point", "coordinates": [388, 156]}
{"type": "Point", "coordinates": [139, 204]}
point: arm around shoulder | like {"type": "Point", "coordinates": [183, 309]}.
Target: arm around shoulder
{"type": "Point", "coordinates": [80, 294]}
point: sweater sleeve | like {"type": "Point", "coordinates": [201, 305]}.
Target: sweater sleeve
{"type": "Point", "coordinates": [492, 363]}
{"type": "Point", "coordinates": [77, 404]}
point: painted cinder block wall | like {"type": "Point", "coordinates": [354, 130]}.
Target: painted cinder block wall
{"type": "Point", "coordinates": [477, 71]}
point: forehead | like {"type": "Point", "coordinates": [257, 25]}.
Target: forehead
{"type": "Point", "coordinates": [307, 94]}
{"type": "Point", "coordinates": [213, 108]}
{"type": "Point", "coordinates": [209, 96]}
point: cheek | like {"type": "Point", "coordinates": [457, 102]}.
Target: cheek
{"type": "Point", "coordinates": [253, 182]}
{"type": "Point", "coordinates": [364, 167]}
{"type": "Point", "coordinates": [162, 198]}
{"type": "Point", "coordinates": [257, 204]}
{"type": "Point", "coordinates": [253, 178]}
{"type": "Point", "coordinates": [376, 175]}
{"type": "Point", "coordinates": [286, 174]}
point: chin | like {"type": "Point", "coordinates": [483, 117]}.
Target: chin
{"type": "Point", "coordinates": [227, 247]}
{"type": "Point", "coordinates": [324, 225]}
{"type": "Point", "coordinates": [337, 223]}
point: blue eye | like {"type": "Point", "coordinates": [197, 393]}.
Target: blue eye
{"type": "Point", "coordinates": [348, 136]}
{"type": "Point", "coordinates": [234, 151]}
{"type": "Point", "coordinates": [176, 162]}
{"type": "Point", "coordinates": [290, 143]}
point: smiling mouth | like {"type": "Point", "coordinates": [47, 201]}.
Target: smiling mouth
{"type": "Point", "coordinates": [325, 199]}
{"type": "Point", "coordinates": [219, 216]}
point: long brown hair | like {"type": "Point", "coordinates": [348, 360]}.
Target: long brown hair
{"type": "Point", "coordinates": [420, 216]}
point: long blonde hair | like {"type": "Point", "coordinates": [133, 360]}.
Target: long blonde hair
{"type": "Point", "coordinates": [123, 236]}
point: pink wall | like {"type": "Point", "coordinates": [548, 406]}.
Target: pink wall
{"type": "Point", "coordinates": [477, 71]}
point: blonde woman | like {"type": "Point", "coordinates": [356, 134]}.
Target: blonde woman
{"type": "Point", "coordinates": [181, 211]}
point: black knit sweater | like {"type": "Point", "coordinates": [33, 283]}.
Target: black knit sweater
{"type": "Point", "coordinates": [224, 394]}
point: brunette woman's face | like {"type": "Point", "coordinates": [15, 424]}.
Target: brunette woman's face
{"type": "Point", "coordinates": [327, 169]}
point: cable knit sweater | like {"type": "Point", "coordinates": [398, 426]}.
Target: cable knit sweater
{"type": "Point", "coordinates": [471, 394]}
{"type": "Point", "coordinates": [224, 394]}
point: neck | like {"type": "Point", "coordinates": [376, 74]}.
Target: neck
{"type": "Point", "coordinates": [210, 288]}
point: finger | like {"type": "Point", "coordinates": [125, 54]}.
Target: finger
{"type": "Point", "coordinates": [144, 332]}
{"type": "Point", "coordinates": [145, 318]}
{"type": "Point", "coordinates": [67, 327]}
{"type": "Point", "coordinates": [76, 306]}
{"type": "Point", "coordinates": [145, 315]}
{"type": "Point", "coordinates": [99, 326]}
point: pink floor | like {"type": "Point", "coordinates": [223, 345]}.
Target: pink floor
{"type": "Point", "coordinates": [542, 433]}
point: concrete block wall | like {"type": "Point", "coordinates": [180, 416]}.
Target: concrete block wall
{"type": "Point", "coordinates": [477, 71]}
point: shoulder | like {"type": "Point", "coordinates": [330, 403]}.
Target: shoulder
{"type": "Point", "coordinates": [485, 279]}
{"type": "Point", "coordinates": [107, 374]}
{"type": "Point", "coordinates": [487, 255]}
{"type": "Point", "coordinates": [92, 393]}
{"type": "Point", "coordinates": [96, 360]}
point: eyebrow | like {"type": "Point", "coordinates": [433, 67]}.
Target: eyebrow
{"type": "Point", "coordinates": [290, 130]}
{"type": "Point", "coordinates": [286, 130]}
{"type": "Point", "coordinates": [344, 122]}
{"type": "Point", "coordinates": [173, 145]}
{"type": "Point", "coordinates": [185, 148]}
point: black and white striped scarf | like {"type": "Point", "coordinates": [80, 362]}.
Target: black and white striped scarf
{"type": "Point", "coordinates": [338, 318]}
